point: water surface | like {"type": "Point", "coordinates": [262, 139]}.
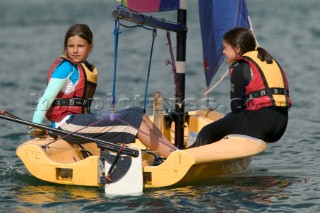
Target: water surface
{"type": "Point", "coordinates": [285, 178]}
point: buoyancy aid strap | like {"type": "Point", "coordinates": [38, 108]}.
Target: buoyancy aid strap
{"type": "Point", "coordinates": [267, 92]}
{"type": "Point", "coordinates": [72, 102]}
{"type": "Point", "coordinates": [262, 77]}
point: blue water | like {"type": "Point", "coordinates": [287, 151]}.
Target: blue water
{"type": "Point", "coordinates": [285, 178]}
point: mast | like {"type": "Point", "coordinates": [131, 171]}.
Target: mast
{"type": "Point", "coordinates": [181, 71]}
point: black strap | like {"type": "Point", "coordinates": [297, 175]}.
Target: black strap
{"type": "Point", "coordinates": [72, 102]}
{"type": "Point", "coordinates": [267, 92]}
{"type": "Point", "coordinates": [85, 153]}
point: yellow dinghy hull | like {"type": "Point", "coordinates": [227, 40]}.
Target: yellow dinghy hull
{"type": "Point", "coordinates": [63, 163]}
{"type": "Point", "coordinates": [60, 162]}
{"type": "Point", "coordinates": [231, 155]}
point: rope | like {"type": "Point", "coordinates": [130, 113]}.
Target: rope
{"type": "Point", "coordinates": [252, 30]}
{"type": "Point", "coordinates": [154, 34]}
{"type": "Point", "coordinates": [116, 41]}
{"type": "Point", "coordinates": [167, 100]}
{"type": "Point", "coordinates": [172, 62]}
{"type": "Point", "coordinates": [216, 84]}
{"type": "Point", "coordinates": [134, 26]}
{"type": "Point", "coordinates": [148, 74]}
{"type": "Point", "coordinates": [116, 35]}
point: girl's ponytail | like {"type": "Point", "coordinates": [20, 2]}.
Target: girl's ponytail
{"type": "Point", "coordinates": [263, 55]}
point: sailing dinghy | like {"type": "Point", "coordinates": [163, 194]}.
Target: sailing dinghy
{"type": "Point", "coordinates": [130, 169]}
{"type": "Point", "coordinates": [64, 163]}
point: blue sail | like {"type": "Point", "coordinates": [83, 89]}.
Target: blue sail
{"type": "Point", "coordinates": [216, 18]}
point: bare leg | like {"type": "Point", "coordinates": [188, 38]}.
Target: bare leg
{"type": "Point", "coordinates": [153, 138]}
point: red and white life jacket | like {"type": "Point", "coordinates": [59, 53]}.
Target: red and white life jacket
{"type": "Point", "coordinates": [79, 100]}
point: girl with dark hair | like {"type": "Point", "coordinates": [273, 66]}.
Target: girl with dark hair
{"type": "Point", "coordinates": [72, 82]}
{"type": "Point", "coordinates": [259, 93]}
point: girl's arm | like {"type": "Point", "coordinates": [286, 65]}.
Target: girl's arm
{"type": "Point", "coordinates": [57, 81]}
{"type": "Point", "coordinates": [240, 77]}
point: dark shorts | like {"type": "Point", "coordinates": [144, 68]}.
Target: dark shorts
{"type": "Point", "coordinates": [119, 127]}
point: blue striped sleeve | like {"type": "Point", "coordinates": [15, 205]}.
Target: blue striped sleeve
{"type": "Point", "coordinates": [63, 70]}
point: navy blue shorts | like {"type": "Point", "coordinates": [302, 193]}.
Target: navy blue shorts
{"type": "Point", "coordinates": [119, 127]}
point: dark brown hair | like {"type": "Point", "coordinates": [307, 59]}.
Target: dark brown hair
{"type": "Point", "coordinates": [245, 40]}
{"type": "Point", "coordinates": [81, 30]}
